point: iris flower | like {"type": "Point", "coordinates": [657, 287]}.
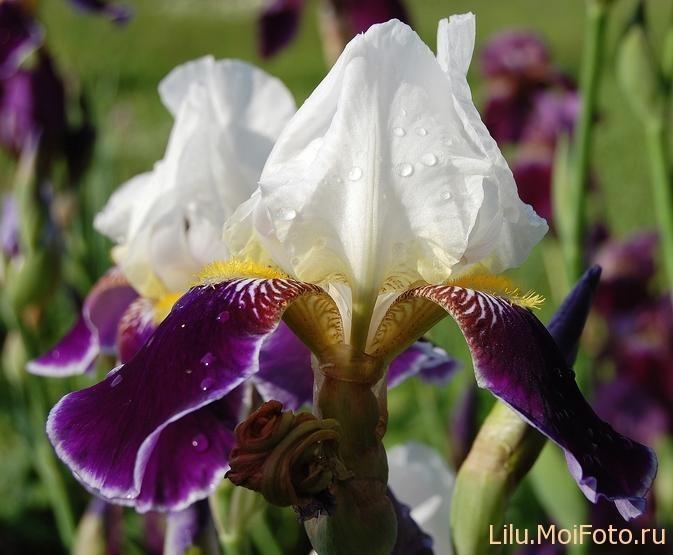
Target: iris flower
{"type": "Point", "coordinates": [167, 225]}
{"type": "Point", "coordinates": [384, 206]}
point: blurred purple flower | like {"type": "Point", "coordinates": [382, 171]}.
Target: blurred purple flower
{"type": "Point", "coordinates": [32, 105]}
{"type": "Point", "coordinates": [113, 11]}
{"type": "Point", "coordinates": [20, 34]}
{"type": "Point", "coordinates": [279, 23]}
{"type": "Point", "coordinates": [628, 271]}
{"type": "Point", "coordinates": [516, 55]}
{"type": "Point", "coordinates": [529, 103]}
{"type": "Point", "coordinates": [533, 174]}
{"type": "Point", "coordinates": [9, 227]}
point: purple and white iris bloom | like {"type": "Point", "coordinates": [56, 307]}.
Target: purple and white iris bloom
{"type": "Point", "coordinates": [383, 206]}
{"type": "Point", "coordinates": [167, 226]}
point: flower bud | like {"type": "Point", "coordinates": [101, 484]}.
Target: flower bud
{"type": "Point", "coordinates": [290, 459]}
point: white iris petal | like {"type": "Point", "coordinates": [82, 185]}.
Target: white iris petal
{"type": "Point", "coordinates": [168, 222]}
{"type": "Point", "coordinates": [387, 175]}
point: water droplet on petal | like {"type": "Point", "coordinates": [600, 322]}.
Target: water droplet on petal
{"type": "Point", "coordinates": [188, 371]}
{"type": "Point", "coordinates": [405, 170]}
{"type": "Point", "coordinates": [116, 380]}
{"type": "Point", "coordinates": [421, 131]}
{"type": "Point", "coordinates": [183, 326]}
{"type": "Point", "coordinates": [295, 261]}
{"type": "Point", "coordinates": [208, 359]}
{"type": "Point", "coordinates": [355, 173]}
{"type": "Point", "coordinates": [286, 214]}
{"type": "Point", "coordinates": [223, 316]}
{"type": "Point", "coordinates": [403, 112]}
{"type": "Point", "coordinates": [445, 195]}
{"type": "Point", "coordinates": [429, 159]}
{"type": "Point", "coordinates": [321, 243]}
{"type": "Point", "coordinates": [200, 443]}
{"type": "Point", "coordinates": [399, 132]}
{"type": "Point", "coordinates": [206, 384]}
{"type": "Point", "coordinates": [398, 249]}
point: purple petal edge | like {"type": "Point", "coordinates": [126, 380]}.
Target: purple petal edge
{"type": "Point", "coordinates": [516, 358]}
{"type": "Point", "coordinates": [425, 360]}
{"type": "Point", "coordinates": [132, 445]}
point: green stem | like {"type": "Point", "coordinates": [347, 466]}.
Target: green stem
{"type": "Point", "coordinates": [589, 79]}
{"type": "Point", "coordinates": [663, 193]}
{"type": "Point", "coordinates": [431, 418]}
{"type": "Point", "coordinates": [262, 537]}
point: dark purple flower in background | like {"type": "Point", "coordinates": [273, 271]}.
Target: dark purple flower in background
{"type": "Point", "coordinates": [32, 106]}
{"type": "Point", "coordinates": [20, 35]}
{"type": "Point", "coordinates": [279, 22]}
{"type": "Point", "coordinates": [112, 10]}
{"type": "Point", "coordinates": [529, 104]}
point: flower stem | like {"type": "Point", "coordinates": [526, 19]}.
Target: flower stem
{"type": "Point", "coordinates": [663, 192]}
{"type": "Point", "coordinates": [262, 538]}
{"type": "Point", "coordinates": [589, 79]}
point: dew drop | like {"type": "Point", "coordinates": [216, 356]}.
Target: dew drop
{"type": "Point", "coordinates": [321, 243]}
{"type": "Point", "coordinates": [403, 112]}
{"type": "Point", "coordinates": [183, 326]}
{"type": "Point", "coordinates": [116, 380]}
{"type": "Point", "coordinates": [355, 173]}
{"type": "Point", "coordinates": [295, 261]}
{"type": "Point", "coordinates": [286, 214]}
{"type": "Point", "coordinates": [208, 359]}
{"type": "Point", "coordinates": [200, 443]}
{"type": "Point", "coordinates": [445, 195]}
{"type": "Point", "coordinates": [405, 170]}
{"type": "Point", "coordinates": [188, 371]}
{"type": "Point", "coordinates": [421, 131]}
{"type": "Point", "coordinates": [429, 159]}
{"type": "Point", "coordinates": [223, 316]}
{"type": "Point", "coordinates": [206, 384]}
{"type": "Point", "coordinates": [399, 132]}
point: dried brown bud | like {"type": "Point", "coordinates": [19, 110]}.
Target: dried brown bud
{"type": "Point", "coordinates": [291, 459]}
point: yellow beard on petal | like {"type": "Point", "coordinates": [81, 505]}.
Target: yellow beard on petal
{"type": "Point", "coordinates": [501, 286]}
{"type": "Point", "coordinates": [164, 305]}
{"type": "Point", "coordinates": [216, 272]}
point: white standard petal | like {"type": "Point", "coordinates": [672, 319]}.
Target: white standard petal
{"type": "Point", "coordinates": [168, 222]}
{"type": "Point", "coordinates": [506, 228]}
{"type": "Point", "coordinates": [383, 176]}
{"type": "Point", "coordinates": [420, 478]}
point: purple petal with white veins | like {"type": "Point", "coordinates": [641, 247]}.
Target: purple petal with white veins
{"type": "Point", "coordinates": [516, 358]}
{"type": "Point", "coordinates": [110, 434]}
{"type": "Point", "coordinates": [94, 332]}
{"type": "Point", "coordinates": [285, 372]}
{"type": "Point", "coordinates": [423, 359]}
{"type": "Point", "coordinates": [113, 11]}
{"type": "Point", "coordinates": [21, 34]}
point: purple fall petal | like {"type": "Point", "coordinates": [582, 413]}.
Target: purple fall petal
{"type": "Point", "coordinates": [515, 54]}
{"type": "Point", "coordinates": [136, 326]}
{"type": "Point", "coordinates": [21, 34]}
{"type": "Point", "coordinates": [516, 358]}
{"type": "Point", "coordinates": [411, 540]}
{"type": "Point", "coordinates": [278, 25]}
{"type": "Point", "coordinates": [113, 11]}
{"type": "Point", "coordinates": [74, 354]}
{"type": "Point", "coordinates": [126, 437]}
{"type": "Point", "coordinates": [184, 527]}
{"type": "Point", "coordinates": [285, 372]}
{"type": "Point", "coordinates": [94, 332]}
{"type": "Point", "coordinates": [423, 359]}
